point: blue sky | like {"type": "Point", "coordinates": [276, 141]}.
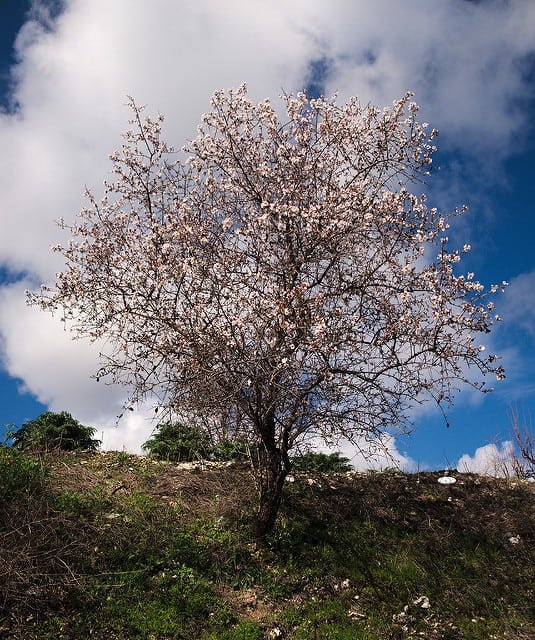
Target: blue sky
{"type": "Point", "coordinates": [16, 407]}
{"type": "Point", "coordinates": [67, 67]}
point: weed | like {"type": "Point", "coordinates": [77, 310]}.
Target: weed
{"type": "Point", "coordinates": [120, 458]}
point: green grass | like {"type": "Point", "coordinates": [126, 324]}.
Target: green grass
{"type": "Point", "coordinates": [111, 546]}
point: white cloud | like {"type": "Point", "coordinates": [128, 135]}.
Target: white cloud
{"type": "Point", "coordinates": [36, 349]}
{"type": "Point", "coordinates": [127, 434]}
{"type": "Point", "coordinates": [73, 82]}
{"type": "Point", "coordinates": [73, 76]}
{"type": "Point", "coordinates": [518, 304]}
{"type": "Point", "coordinates": [370, 455]}
{"type": "Point", "coordinates": [490, 460]}
{"type": "Point", "coordinates": [464, 60]}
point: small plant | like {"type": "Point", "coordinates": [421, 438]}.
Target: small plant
{"type": "Point", "coordinates": [51, 431]}
{"type": "Point", "coordinates": [314, 461]}
{"type": "Point", "coordinates": [121, 458]}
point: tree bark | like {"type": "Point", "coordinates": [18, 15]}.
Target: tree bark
{"type": "Point", "coordinates": [272, 473]}
{"type": "Point", "coordinates": [273, 467]}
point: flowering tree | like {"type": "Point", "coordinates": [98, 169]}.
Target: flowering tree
{"type": "Point", "coordinates": [280, 277]}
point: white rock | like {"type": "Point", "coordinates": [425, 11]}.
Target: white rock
{"type": "Point", "coordinates": [422, 602]}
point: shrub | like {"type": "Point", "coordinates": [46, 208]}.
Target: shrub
{"type": "Point", "coordinates": [229, 449]}
{"type": "Point", "coordinates": [325, 462]}
{"type": "Point", "coordinates": [177, 442]}
{"type": "Point", "coordinates": [51, 431]}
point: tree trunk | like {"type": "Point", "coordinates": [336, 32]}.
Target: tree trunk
{"type": "Point", "coordinates": [271, 473]}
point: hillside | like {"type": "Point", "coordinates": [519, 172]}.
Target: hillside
{"type": "Point", "coordinates": [114, 546]}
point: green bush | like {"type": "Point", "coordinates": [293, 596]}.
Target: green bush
{"type": "Point", "coordinates": [228, 449]}
{"type": "Point", "coordinates": [51, 431]}
{"type": "Point", "coordinates": [177, 442]}
{"type": "Point", "coordinates": [325, 462]}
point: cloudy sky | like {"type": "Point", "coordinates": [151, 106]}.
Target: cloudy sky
{"type": "Point", "coordinates": [67, 67]}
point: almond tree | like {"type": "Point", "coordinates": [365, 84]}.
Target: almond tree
{"type": "Point", "coordinates": [278, 276]}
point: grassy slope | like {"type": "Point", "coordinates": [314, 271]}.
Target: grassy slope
{"type": "Point", "coordinates": [115, 546]}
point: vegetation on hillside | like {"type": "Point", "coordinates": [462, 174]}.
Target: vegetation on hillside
{"type": "Point", "coordinates": [177, 442]}
{"type": "Point", "coordinates": [51, 431]}
{"type": "Point", "coordinates": [115, 546]}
